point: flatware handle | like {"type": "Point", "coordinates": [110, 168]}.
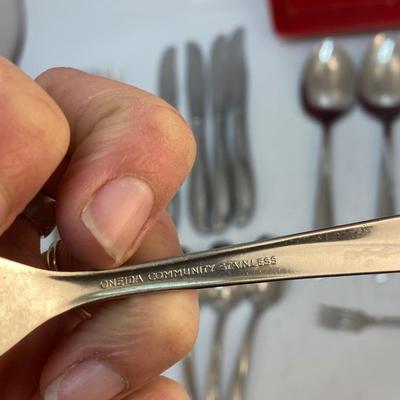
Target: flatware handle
{"type": "Point", "coordinates": [222, 183]}
{"type": "Point", "coordinates": [245, 196]}
{"type": "Point", "coordinates": [238, 387]}
{"type": "Point", "coordinates": [199, 183]}
{"type": "Point", "coordinates": [386, 203]}
{"type": "Point", "coordinates": [324, 208]}
{"type": "Point", "coordinates": [214, 381]}
{"type": "Point", "coordinates": [174, 208]}
{"type": "Point", "coordinates": [362, 248]}
{"type": "Point", "coordinates": [190, 376]}
{"type": "Point", "coordinates": [387, 321]}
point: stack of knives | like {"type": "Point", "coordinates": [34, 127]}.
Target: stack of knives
{"type": "Point", "coordinates": [222, 183]}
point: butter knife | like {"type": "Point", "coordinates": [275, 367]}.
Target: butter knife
{"type": "Point", "coordinates": [168, 92]}
{"type": "Point", "coordinates": [199, 183]}
{"type": "Point", "coordinates": [244, 185]}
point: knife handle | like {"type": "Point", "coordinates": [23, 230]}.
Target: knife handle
{"type": "Point", "coordinates": [199, 185]}
{"type": "Point", "coordinates": [222, 182]}
{"type": "Point", "coordinates": [174, 208]}
{"type": "Point", "coordinates": [245, 194]}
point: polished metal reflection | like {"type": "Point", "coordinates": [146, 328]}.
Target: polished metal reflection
{"type": "Point", "coordinates": [328, 91]}
{"type": "Point", "coordinates": [31, 296]}
{"type": "Point", "coordinates": [379, 89]}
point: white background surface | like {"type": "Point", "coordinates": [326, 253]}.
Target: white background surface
{"type": "Point", "coordinates": [295, 358]}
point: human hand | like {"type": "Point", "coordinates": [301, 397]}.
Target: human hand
{"type": "Point", "coordinates": [112, 156]}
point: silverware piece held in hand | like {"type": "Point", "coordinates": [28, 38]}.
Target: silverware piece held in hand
{"type": "Point", "coordinates": [30, 296]}
{"type": "Point", "coordinates": [242, 169]}
{"type": "Point", "coordinates": [262, 296]}
{"type": "Point", "coordinates": [168, 89]}
{"type": "Point", "coordinates": [347, 319]}
{"type": "Point", "coordinates": [328, 91]}
{"type": "Point", "coordinates": [222, 179]}
{"type": "Point", "coordinates": [379, 90]}
{"type": "Point", "coordinates": [199, 183]}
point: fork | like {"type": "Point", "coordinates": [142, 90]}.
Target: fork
{"type": "Point", "coordinates": [347, 319]}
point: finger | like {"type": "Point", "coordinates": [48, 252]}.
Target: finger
{"type": "Point", "coordinates": [34, 137]}
{"type": "Point", "coordinates": [129, 342]}
{"type": "Point", "coordinates": [160, 388]}
{"type": "Point", "coordinates": [130, 152]}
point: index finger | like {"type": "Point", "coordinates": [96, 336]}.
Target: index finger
{"type": "Point", "coordinates": [130, 151]}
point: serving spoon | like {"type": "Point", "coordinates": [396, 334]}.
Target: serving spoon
{"type": "Point", "coordinates": [30, 296]}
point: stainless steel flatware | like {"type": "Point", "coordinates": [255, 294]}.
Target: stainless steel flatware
{"type": "Point", "coordinates": [168, 90]}
{"type": "Point", "coordinates": [189, 376]}
{"type": "Point", "coordinates": [348, 319]}
{"type": "Point", "coordinates": [199, 183]}
{"type": "Point", "coordinates": [243, 175]}
{"type": "Point", "coordinates": [222, 178]}
{"type": "Point", "coordinates": [379, 90]}
{"type": "Point", "coordinates": [12, 29]}
{"type": "Point", "coordinates": [328, 90]}
{"type": "Point", "coordinates": [30, 296]}
{"type": "Point", "coordinates": [223, 300]}
{"type": "Point", "coordinates": [262, 296]}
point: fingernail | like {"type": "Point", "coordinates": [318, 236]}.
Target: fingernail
{"type": "Point", "coordinates": [88, 380]}
{"type": "Point", "coordinates": [117, 213]}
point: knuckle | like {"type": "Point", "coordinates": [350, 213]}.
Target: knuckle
{"type": "Point", "coordinates": [165, 128]}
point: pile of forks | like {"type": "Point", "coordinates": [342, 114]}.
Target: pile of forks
{"type": "Point", "coordinates": [222, 183]}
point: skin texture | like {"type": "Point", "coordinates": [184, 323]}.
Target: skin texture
{"type": "Point", "coordinates": [68, 134]}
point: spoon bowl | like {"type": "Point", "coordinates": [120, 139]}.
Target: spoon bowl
{"type": "Point", "coordinates": [379, 85]}
{"type": "Point", "coordinates": [328, 85]}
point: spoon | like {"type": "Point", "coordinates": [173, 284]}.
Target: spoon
{"type": "Point", "coordinates": [328, 91]}
{"type": "Point", "coordinates": [379, 90]}
{"type": "Point", "coordinates": [31, 296]}
{"type": "Point", "coordinates": [263, 296]}
{"type": "Point", "coordinates": [222, 300]}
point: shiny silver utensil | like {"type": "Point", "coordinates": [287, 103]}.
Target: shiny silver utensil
{"type": "Point", "coordinates": [189, 376]}
{"type": "Point", "coordinates": [223, 300]}
{"type": "Point", "coordinates": [347, 319]}
{"type": "Point", "coordinates": [262, 296]}
{"type": "Point", "coordinates": [168, 91]}
{"type": "Point", "coordinates": [222, 179]}
{"type": "Point", "coordinates": [199, 183]}
{"type": "Point", "coordinates": [30, 296]}
{"type": "Point", "coordinates": [379, 90]}
{"type": "Point", "coordinates": [12, 29]}
{"type": "Point", "coordinates": [243, 175]}
{"type": "Point", "coordinates": [328, 90]}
